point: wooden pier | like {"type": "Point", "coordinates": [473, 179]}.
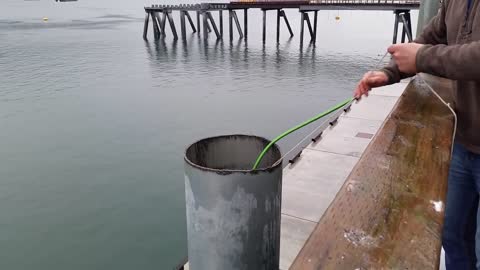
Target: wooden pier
{"type": "Point", "coordinates": [207, 22]}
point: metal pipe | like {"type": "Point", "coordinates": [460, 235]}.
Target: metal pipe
{"type": "Point", "coordinates": [191, 22]}
{"type": "Point", "coordinates": [302, 26]}
{"type": "Point", "coordinates": [183, 24]}
{"type": "Point", "coordinates": [163, 22]}
{"type": "Point", "coordinates": [226, 202]}
{"type": "Point", "coordinates": [220, 18]}
{"type": "Point", "coordinates": [172, 25]}
{"type": "Point", "coordinates": [264, 25]}
{"type": "Point", "coordinates": [145, 26]}
{"type": "Point", "coordinates": [310, 29]}
{"type": "Point", "coordinates": [205, 25]}
{"type": "Point", "coordinates": [212, 21]}
{"type": "Point", "coordinates": [245, 22]}
{"type": "Point", "coordinates": [287, 22]}
{"type": "Point", "coordinates": [315, 27]}
{"type": "Point", "coordinates": [409, 22]}
{"type": "Point", "coordinates": [156, 29]}
{"type": "Point", "coordinates": [198, 22]}
{"type": "Point", "coordinates": [395, 28]}
{"type": "Point", "coordinates": [237, 22]}
{"type": "Point", "coordinates": [406, 29]}
{"type": "Point", "coordinates": [278, 25]}
{"type": "Point", "coordinates": [160, 23]}
{"type": "Point", "coordinates": [209, 28]}
{"type": "Point", "coordinates": [230, 20]}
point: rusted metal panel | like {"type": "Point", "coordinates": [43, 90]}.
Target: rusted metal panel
{"type": "Point", "coordinates": [389, 212]}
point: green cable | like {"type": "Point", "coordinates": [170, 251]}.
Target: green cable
{"type": "Point", "coordinates": [309, 121]}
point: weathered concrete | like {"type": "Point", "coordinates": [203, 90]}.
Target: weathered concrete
{"type": "Point", "coordinates": [389, 212]}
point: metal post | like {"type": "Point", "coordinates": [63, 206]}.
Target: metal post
{"type": "Point", "coordinates": [226, 202]}
{"type": "Point", "coordinates": [264, 25]}
{"type": "Point", "coordinates": [191, 21]}
{"type": "Point", "coordinates": [172, 25]}
{"type": "Point", "coordinates": [160, 23]}
{"type": "Point", "coordinates": [409, 22]}
{"type": "Point", "coordinates": [302, 26]}
{"type": "Point", "coordinates": [212, 21]}
{"type": "Point", "coordinates": [278, 25]}
{"type": "Point", "coordinates": [183, 25]}
{"type": "Point", "coordinates": [220, 18]}
{"type": "Point", "coordinates": [145, 26]}
{"type": "Point", "coordinates": [230, 20]}
{"type": "Point", "coordinates": [205, 25]}
{"type": "Point", "coordinates": [310, 29]}
{"type": "Point", "coordinates": [287, 22]}
{"type": "Point", "coordinates": [164, 22]}
{"type": "Point", "coordinates": [156, 30]}
{"type": "Point", "coordinates": [237, 22]}
{"type": "Point", "coordinates": [209, 28]}
{"type": "Point", "coordinates": [198, 22]}
{"type": "Point", "coordinates": [245, 22]}
{"type": "Point", "coordinates": [406, 29]}
{"type": "Point", "coordinates": [315, 21]}
{"type": "Point", "coordinates": [395, 28]}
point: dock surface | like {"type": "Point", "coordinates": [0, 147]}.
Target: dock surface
{"type": "Point", "coordinates": [312, 182]}
{"type": "Point", "coordinates": [346, 206]}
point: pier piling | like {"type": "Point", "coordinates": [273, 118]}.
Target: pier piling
{"type": "Point", "coordinates": [245, 22]}
{"type": "Point", "coordinates": [192, 25]}
{"type": "Point", "coordinates": [183, 25]}
{"type": "Point", "coordinates": [172, 24]}
{"type": "Point", "coordinates": [287, 22]}
{"type": "Point", "coordinates": [237, 23]}
{"type": "Point", "coordinates": [403, 17]}
{"type": "Point", "coordinates": [220, 18]}
{"type": "Point", "coordinates": [230, 24]}
{"type": "Point", "coordinates": [198, 22]}
{"type": "Point", "coordinates": [214, 25]}
{"type": "Point", "coordinates": [156, 29]}
{"type": "Point", "coordinates": [264, 25]}
{"type": "Point", "coordinates": [205, 25]}
{"type": "Point", "coordinates": [278, 24]}
{"type": "Point", "coordinates": [145, 26]}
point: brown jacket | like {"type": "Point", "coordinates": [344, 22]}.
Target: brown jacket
{"type": "Point", "coordinates": [452, 51]}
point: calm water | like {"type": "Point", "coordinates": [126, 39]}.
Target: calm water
{"type": "Point", "coordinates": [94, 121]}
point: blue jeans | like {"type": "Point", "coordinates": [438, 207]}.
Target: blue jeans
{"type": "Point", "coordinates": [459, 239]}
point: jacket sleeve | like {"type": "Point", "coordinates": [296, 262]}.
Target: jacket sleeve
{"type": "Point", "coordinates": [434, 33]}
{"type": "Point", "coordinates": [455, 62]}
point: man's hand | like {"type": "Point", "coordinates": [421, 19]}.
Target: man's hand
{"type": "Point", "coordinates": [370, 80]}
{"type": "Point", "coordinates": [405, 56]}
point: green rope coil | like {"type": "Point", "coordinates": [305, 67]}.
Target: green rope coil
{"type": "Point", "coordinates": [306, 123]}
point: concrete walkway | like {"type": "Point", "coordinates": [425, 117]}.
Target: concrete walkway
{"type": "Point", "coordinates": [312, 182]}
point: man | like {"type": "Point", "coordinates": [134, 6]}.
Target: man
{"type": "Point", "coordinates": [450, 47]}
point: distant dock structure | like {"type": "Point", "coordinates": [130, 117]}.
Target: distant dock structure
{"type": "Point", "coordinates": [160, 15]}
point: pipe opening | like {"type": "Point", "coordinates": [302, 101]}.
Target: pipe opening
{"type": "Point", "coordinates": [232, 153]}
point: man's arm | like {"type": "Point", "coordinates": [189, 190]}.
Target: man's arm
{"type": "Point", "coordinates": [434, 33]}
{"type": "Point", "coordinates": [455, 62]}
